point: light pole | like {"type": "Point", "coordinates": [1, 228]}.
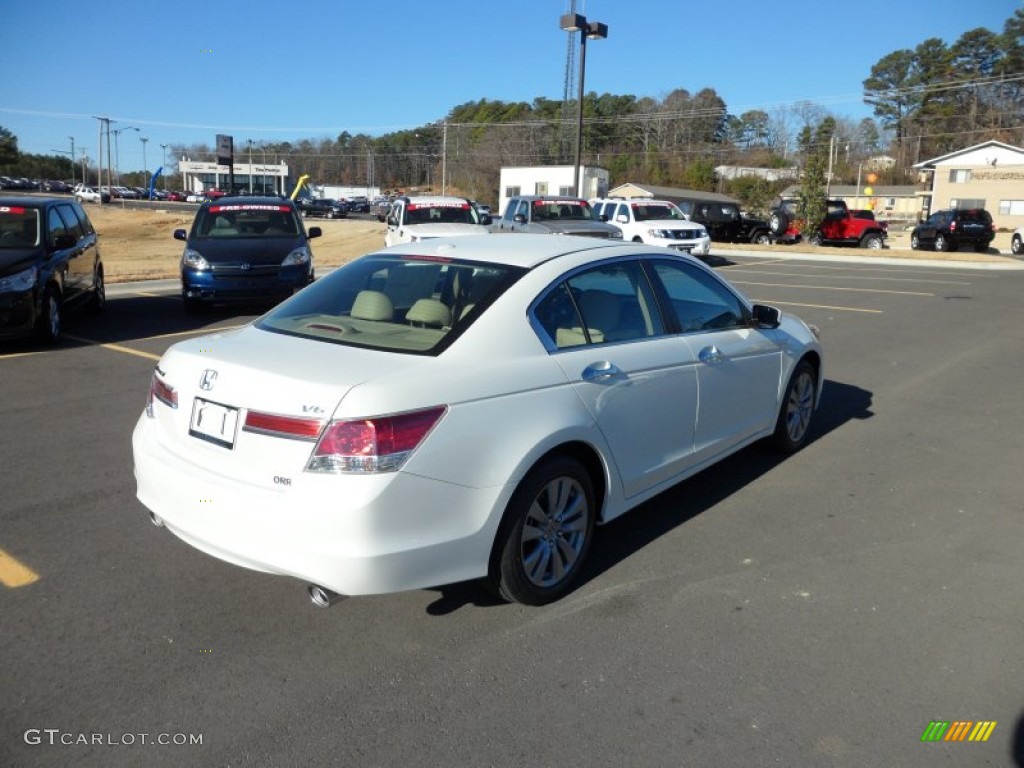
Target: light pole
{"type": "Point", "coordinates": [163, 160]}
{"type": "Point", "coordinates": [595, 30]}
{"type": "Point", "coordinates": [145, 165]}
{"type": "Point", "coordinates": [249, 142]}
{"type": "Point", "coordinates": [117, 153]}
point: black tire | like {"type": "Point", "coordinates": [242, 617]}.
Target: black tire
{"type": "Point", "coordinates": [981, 247]}
{"type": "Point", "coordinates": [872, 241]}
{"type": "Point", "coordinates": [761, 238]}
{"type": "Point", "coordinates": [941, 243]}
{"type": "Point", "coordinates": [1016, 245]}
{"type": "Point", "coordinates": [915, 242]}
{"type": "Point", "coordinates": [778, 222]}
{"type": "Point", "coordinates": [98, 302]}
{"type": "Point", "coordinates": [637, 239]}
{"type": "Point", "coordinates": [794, 420]}
{"type": "Point", "coordinates": [50, 323]}
{"type": "Point", "coordinates": [545, 535]}
{"type": "Point", "coordinates": [816, 240]}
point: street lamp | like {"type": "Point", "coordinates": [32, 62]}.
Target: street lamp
{"type": "Point", "coordinates": [163, 160]}
{"type": "Point", "coordinates": [145, 165]}
{"type": "Point", "coordinates": [595, 30]}
{"type": "Point", "coordinates": [117, 154]}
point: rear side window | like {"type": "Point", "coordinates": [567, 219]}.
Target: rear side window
{"type": "Point", "coordinates": [71, 221]}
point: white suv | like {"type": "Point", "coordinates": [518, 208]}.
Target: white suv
{"type": "Point", "coordinates": [655, 222]}
{"type": "Point", "coordinates": [412, 219]}
{"type": "Point", "coordinates": [86, 193]}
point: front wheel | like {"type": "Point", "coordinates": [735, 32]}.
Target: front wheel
{"type": "Point", "coordinates": [49, 328]}
{"type": "Point", "coordinates": [915, 242]}
{"type": "Point", "coordinates": [1016, 245]}
{"type": "Point", "coordinates": [874, 242]}
{"type": "Point", "coordinates": [545, 535]}
{"type": "Point", "coordinates": [794, 421]}
{"type": "Point", "coordinates": [762, 238]}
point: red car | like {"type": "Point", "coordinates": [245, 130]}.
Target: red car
{"type": "Point", "coordinates": [176, 197]}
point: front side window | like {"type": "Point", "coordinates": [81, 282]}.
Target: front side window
{"type": "Point", "coordinates": [700, 301]}
{"type": "Point", "coordinates": [395, 303]}
{"type": "Point", "coordinates": [609, 303]}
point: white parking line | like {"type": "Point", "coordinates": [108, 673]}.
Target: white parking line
{"type": "Point", "coordinates": [831, 288]}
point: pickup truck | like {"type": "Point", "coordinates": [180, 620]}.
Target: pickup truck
{"type": "Point", "coordinates": [412, 219]}
{"type": "Point", "coordinates": [553, 214]}
{"type": "Point", "coordinates": [839, 227]}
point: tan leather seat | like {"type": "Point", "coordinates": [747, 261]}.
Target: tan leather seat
{"type": "Point", "coordinates": [429, 312]}
{"type": "Point", "coordinates": [372, 305]}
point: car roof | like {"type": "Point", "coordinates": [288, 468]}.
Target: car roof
{"type": "Point", "coordinates": [546, 198]}
{"type": "Point", "coordinates": [248, 200]}
{"type": "Point", "coordinates": [520, 250]}
{"type": "Point", "coordinates": [435, 199]}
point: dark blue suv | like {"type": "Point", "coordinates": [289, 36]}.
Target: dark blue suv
{"type": "Point", "coordinates": [245, 249]}
{"type": "Point", "coordinates": [49, 264]}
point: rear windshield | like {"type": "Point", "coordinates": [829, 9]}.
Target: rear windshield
{"type": "Point", "coordinates": [974, 215]}
{"type": "Point", "coordinates": [440, 213]}
{"type": "Point", "coordinates": [396, 303]}
{"type": "Point", "coordinates": [19, 227]}
{"type": "Point", "coordinates": [554, 210]}
{"type": "Point", "coordinates": [247, 220]}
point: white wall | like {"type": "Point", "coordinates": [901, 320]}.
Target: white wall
{"type": "Point", "coordinates": [550, 180]}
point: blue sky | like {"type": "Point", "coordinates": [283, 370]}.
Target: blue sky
{"type": "Point", "coordinates": [183, 71]}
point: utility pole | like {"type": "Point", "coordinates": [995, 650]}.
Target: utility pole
{"type": "Point", "coordinates": [145, 166]}
{"type": "Point", "coordinates": [73, 160]}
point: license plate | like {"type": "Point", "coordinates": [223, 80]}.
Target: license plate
{"type": "Point", "coordinates": [214, 422]}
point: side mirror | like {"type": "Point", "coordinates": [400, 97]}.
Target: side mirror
{"type": "Point", "coordinates": [622, 218]}
{"type": "Point", "coordinates": [180, 234]}
{"type": "Point", "coordinates": [519, 218]}
{"type": "Point", "coordinates": [766, 317]}
{"type": "Point", "coordinates": [313, 232]}
{"type": "Point", "coordinates": [65, 241]}
{"type": "Point", "coordinates": [392, 221]}
{"type": "Point", "coordinates": [603, 217]}
{"type": "Point", "coordinates": [485, 219]}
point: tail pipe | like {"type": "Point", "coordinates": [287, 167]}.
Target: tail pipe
{"type": "Point", "coordinates": [322, 597]}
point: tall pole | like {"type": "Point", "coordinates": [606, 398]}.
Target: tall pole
{"type": "Point", "coordinates": [73, 160]}
{"type": "Point", "coordinates": [249, 142]}
{"type": "Point", "coordinates": [145, 165]}
{"type": "Point", "coordinates": [579, 115]}
{"type": "Point", "coordinates": [163, 160]}
{"type": "Point", "coordinates": [444, 160]}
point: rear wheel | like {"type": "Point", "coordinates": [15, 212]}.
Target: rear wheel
{"type": "Point", "coordinates": [1017, 245]}
{"type": "Point", "coordinates": [546, 533]}
{"type": "Point", "coordinates": [815, 239]}
{"type": "Point", "coordinates": [794, 421]}
{"type": "Point", "coordinates": [915, 242]}
{"type": "Point", "coordinates": [99, 293]}
{"type": "Point", "coordinates": [762, 238]}
{"type": "Point", "coordinates": [981, 247]}
{"type": "Point", "coordinates": [874, 242]}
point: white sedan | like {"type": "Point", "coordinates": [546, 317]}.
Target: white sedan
{"type": "Point", "coordinates": [464, 408]}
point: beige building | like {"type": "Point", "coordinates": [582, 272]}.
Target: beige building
{"type": "Point", "coordinates": [988, 175]}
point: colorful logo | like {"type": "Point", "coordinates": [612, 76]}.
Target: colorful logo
{"type": "Point", "coordinates": [958, 730]}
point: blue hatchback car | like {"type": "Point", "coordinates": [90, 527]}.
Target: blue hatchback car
{"type": "Point", "coordinates": [245, 249]}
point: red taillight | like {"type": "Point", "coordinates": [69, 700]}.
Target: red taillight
{"type": "Point", "coordinates": [162, 391]}
{"type": "Point", "coordinates": [952, 226]}
{"type": "Point", "coordinates": [372, 445]}
{"type": "Point", "coordinates": [282, 426]}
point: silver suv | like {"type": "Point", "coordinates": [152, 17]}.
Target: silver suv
{"type": "Point", "coordinates": [86, 193]}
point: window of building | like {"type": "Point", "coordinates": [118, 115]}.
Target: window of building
{"type": "Point", "coordinates": [567, 191]}
{"type": "Point", "coordinates": [959, 175]}
{"type": "Point", "coordinates": [542, 188]}
{"type": "Point", "coordinates": [512, 191]}
{"type": "Point", "coordinates": [1011, 207]}
{"type": "Point", "coordinates": [967, 203]}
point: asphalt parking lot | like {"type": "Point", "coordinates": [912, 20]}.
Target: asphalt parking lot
{"type": "Point", "coordinates": [817, 610]}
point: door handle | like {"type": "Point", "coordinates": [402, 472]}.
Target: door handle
{"type": "Point", "coordinates": [711, 355]}
{"type": "Point", "coordinates": [600, 371]}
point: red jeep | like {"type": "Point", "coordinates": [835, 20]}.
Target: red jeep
{"type": "Point", "coordinates": [839, 227]}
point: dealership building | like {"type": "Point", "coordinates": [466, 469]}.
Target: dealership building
{"type": "Point", "coordinates": [258, 178]}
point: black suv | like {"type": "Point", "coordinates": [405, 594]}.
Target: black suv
{"type": "Point", "coordinates": [725, 222]}
{"type": "Point", "coordinates": [49, 263]}
{"type": "Point", "coordinates": [328, 209]}
{"type": "Point", "coordinates": [948, 230]}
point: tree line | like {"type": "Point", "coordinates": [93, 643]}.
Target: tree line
{"type": "Point", "coordinates": [926, 101]}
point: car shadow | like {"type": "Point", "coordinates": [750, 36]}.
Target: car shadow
{"type": "Point", "coordinates": [628, 534]}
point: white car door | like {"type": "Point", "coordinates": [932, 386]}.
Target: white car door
{"type": "Point", "coordinates": [638, 383]}
{"type": "Point", "coordinates": [738, 366]}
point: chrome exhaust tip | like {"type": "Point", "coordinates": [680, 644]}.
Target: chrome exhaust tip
{"type": "Point", "coordinates": [322, 597]}
{"type": "Point", "coordinates": [156, 520]}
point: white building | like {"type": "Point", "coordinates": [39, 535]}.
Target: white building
{"type": "Point", "coordinates": [261, 178]}
{"type": "Point", "coordinates": [550, 180]}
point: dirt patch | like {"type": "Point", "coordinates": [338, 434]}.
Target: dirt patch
{"type": "Point", "coordinates": [140, 245]}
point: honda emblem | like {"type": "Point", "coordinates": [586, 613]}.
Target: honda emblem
{"type": "Point", "coordinates": [207, 379]}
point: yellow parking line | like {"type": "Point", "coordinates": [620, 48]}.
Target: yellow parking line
{"type": "Point", "coordinates": [831, 288]}
{"type": "Point", "coordinates": [820, 306]}
{"type": "Point", "coordinates": [114, 347]}
{"type": "Point", "coordinates": [18, 354]}
{"type": "Point", "coordinates": [14, 574]}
